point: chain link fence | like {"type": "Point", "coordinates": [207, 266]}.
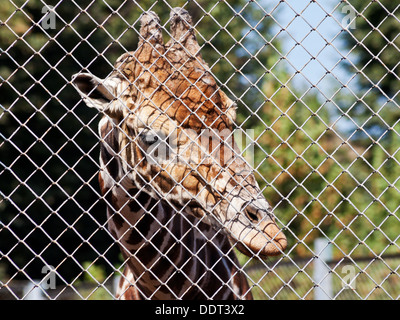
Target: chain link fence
{"type": "Point", "coordinates": [316, 87]}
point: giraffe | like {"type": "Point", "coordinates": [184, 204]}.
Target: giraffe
{"type": "Point", "coordinates": [177, 216]}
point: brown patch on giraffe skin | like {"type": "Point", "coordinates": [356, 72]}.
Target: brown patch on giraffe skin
{"type": "Point", "coordinates": [114, 233]}
{"type": "Point", "coordinates": [239, 280]}
{"type": "Point", "coordinates": [146, 243]}
{"type": "Point", "coordinates": [146, 253]}
{"type": "Point", "coordinates": [118, 220]}
{"type": "Point", "coordinates": [163, 263]}
{"type": "Point", "coordinates": [139, 201]}
{"type": "Point", "coordinates": [163, 179]}
{"type": "Point", "coordinates": [112, 203]}
{"type": "Point", "coordinates": [208, 171]}
{"type": "Point", "coordinates": [189, 182]}
{"type": "Point", "coordinates": [101, 184]}
{"type": "Point", "coordinates": [138, 233]}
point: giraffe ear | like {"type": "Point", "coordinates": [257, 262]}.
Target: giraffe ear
{"type": "Point", "coordinates": [97, 93]}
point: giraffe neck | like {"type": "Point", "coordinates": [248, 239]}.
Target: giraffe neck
{"type": "Point", "coordinates": [168, 257]}
{"type": "Point", "coordinates": [168, 254]}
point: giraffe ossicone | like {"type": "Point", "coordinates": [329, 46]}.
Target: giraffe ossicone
{"type": "Point", "coordinates": [168, 150]}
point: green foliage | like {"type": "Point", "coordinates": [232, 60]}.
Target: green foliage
{"type": "Point", "coordinates": [296, 157]}
{"type": "Point", "coordinates": [376, 43]}
{"type": "Point", "coordinates": [93, 273]}
{"type": "Point", "coordinates": [320, 183]}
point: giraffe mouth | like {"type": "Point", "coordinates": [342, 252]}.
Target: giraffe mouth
{"type": "Point", "coordinates": [250, 226]}
{"type": "Point", "coordinates": [254, 232]}
{"type": "Point", "coordinates": [263, 239]}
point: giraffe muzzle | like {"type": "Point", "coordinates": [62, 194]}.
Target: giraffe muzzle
{"type": "Point", "coordinates": [267, 239]}
{"type": "Point", "coordinates": [255, 232]}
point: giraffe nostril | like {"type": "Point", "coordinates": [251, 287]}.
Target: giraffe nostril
{"type": "Point", "coordinates": [257, 211]}
{"type": "Point", "coordinates": [251, 215]}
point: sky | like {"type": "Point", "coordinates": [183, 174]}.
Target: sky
{"type": "Point", "coordinates": [316, 29]}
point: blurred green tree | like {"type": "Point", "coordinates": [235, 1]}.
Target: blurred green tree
{"type": "Point", "coordinates": [374, 45]}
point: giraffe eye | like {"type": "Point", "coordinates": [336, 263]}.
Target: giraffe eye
{"type": "Point", "coordinates": [148, 138]}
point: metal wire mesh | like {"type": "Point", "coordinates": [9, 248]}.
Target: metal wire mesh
{"type": "Point", "coordinates": [316, 87]}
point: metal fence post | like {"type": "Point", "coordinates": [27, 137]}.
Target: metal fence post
{"type": "Point", "coordinates": [322, 276]}
{"type": "Point", "coordinates": [33, 291]}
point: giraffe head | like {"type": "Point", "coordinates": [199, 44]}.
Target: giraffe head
{"type": "Point", "coordinates": [175, 137]}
